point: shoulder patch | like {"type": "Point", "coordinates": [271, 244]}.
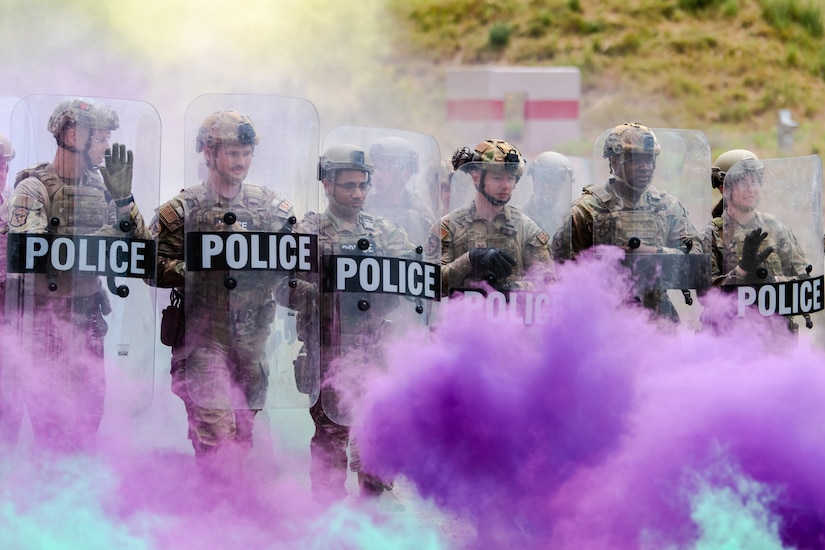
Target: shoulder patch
{"type": "Point", "coordinates": [543, 237]}
{"type": "Point", "coordinates": [169, 216]}
{"type": "Point", "coordinates": [285, 205]}
{"type": "Point", "coordinates": [444, 231]}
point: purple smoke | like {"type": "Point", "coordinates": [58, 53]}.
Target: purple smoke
{"type": "Point", "coordinates": [604, 428]}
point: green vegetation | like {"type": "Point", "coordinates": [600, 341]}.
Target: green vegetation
{"type": "Point", "coordinates": [723, 66]}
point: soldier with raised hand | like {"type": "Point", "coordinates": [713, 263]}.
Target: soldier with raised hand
{"type": "Point", "coordinates": [489, 240]}
{"type": "Point", "coordinates": [219, 368]}
{"type": "Point", "coordinates": [62, 310]}
{"type": "Point", "coordinates": [628, 211]}
{"type": "Point", "coordinates": [749, 246]}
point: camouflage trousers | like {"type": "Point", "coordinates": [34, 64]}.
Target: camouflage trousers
{"type": "Point", "coordinates": [221, 375]}
{"type": "Point", "coordinates": [61, 375]}
{"type": "Point", "coordinates": [331, 415]}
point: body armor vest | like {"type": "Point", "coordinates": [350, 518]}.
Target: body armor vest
{"type": "Point", "coordinates": [257, 212]}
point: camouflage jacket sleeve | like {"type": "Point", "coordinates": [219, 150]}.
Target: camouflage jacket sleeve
{"type": "Point", "coordinates": [538, 262]}
{"type": "Point", "coordinates": [167, 227]}
{"type": "Point", "coordinates": [682, 231]}
{"type": "Point", "coordinates": [712, 244]}
{"type": "Point", "coordinates": [576, 232]}
{"type": "Point", "coordinates": [453, 269]}
{"type": "Point", "coordinates": [28, 207]}
{"type": "Point", "coordinates": [794, 262]}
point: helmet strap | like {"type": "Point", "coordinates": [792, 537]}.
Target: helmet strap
{"type": "Point", "coordinates": [494, 201]}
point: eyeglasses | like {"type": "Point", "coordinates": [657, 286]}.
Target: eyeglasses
{"type": "Point", "coordinates": [351, 186]}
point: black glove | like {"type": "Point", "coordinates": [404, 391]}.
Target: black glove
{"type": "Point", "coordinates": [492, 260]}
{"type": "Point", "coordinates": [751, 257]}
{"type": "Point", "coordinates": [117, 174]}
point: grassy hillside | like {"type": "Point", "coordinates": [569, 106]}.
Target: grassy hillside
{"type": "Point", "coordinates": [722, 66]}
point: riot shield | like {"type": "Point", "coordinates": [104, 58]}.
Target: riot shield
{"type": "Point", "coordinates": [378, 282]}
{"type": "Point", "coordinates": [518, 292]}
{"type": "Point", "coordinates": [547, 190]}
{"type": "Point", "coordinates": [11, 405]}
{"type": "Point", "coordinates": [769, 238]}
{"type": "Point", "coordinates": [399, 182]}
{"type": "Point", "coordinates": [78, 255]}
{"type": "Point", "coordinates": [661, 232]}
{"type": "Point", "coordinates": [251, 338]}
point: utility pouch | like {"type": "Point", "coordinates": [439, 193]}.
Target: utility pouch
{"type": "Point", "coordinates": [172, 321]}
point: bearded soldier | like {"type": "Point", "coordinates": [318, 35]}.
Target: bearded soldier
{"type": "Point", "coordinates": [219, 369]}
{"type": "Point", "coordinates": [74, 195]}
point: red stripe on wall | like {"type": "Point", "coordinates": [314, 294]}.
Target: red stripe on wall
{"type": "Point", "coordinates": [493, 109]}
{"type": "Point", "coordinates": [475, 109]}
{"type": "Point", "coordinates": [551, 109]}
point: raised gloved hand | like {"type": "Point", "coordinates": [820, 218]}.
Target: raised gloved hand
{"type": "Point", "coordinates": [751, 257]}
{"type": "Point", "coordinates": [493, 260]}
{"type": "Point", "coordinates": [117, 174]}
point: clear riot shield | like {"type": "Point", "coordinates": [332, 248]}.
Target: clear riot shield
{"type": "Point", "coordinates": [547, 189]}
{"type": "Point", "coordinates": [783, 199]}
{"type": "Point", "coordinates": [11, 406]}
{"type": "Point", "coordinates": [379, 280]}
{"type": "Point", "coordinates": [678, 201]}
{"type": "Point", "coordinates": [400, 190]}
{"type": "Point", "coordinates": [77, 260]}
{"type": "Point", "coordinates": [251, 337]}
{"type": "Point", "coordinates": [515, 293]}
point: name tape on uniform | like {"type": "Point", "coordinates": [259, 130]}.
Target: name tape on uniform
{"type": "Point", "coordinates": [249, 251]}
{"type": "Point", "coordinates": [114, 256]}
{"type": "Point", "coordinates": [785, 298]}
{"type": "Point", "coordinates": [346, 273]}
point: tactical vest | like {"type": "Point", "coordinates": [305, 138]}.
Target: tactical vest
{"type": "Point", "coordinates": [617, 227]}
{"type": "Point", "coordinates": [509, 238]}
{"type": "Point", "coordinates": [261, 211]}
{"type": "Point", "coordinates": [733, 246]}
{"type": "Point", "coordinates": [80, 210]}
{"type": "Point", "coordinates": [351, 319]}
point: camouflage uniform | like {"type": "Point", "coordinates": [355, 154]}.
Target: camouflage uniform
{"type": "Point", "coordinates": [601, 217]}
{"type": "Point", "coordinates": [349, 336]}
{"type": "Point", "coordinates": [786, 263]}
{"type": "Point", "coordinates": [72, 314]}
{"type": "Point", "coordinates": [220, 371]}
{"type": "Point", "coordinates": [510, 231]}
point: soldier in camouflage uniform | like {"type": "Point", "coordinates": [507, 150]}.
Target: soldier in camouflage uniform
{"type": "Point", "coordinates": [350, 334]}
{"type": "Point", "coordinates": [395, 161]}
{"type": "Point", "coordinates": [628, 206]}
{"type": "Point", "coordinates": [742, 239]}
{"type": "Point", "coordinates": [490, 240]}
{"type": "Point", "coordinates": [75, 194]}
{"type": "Point", "coordinates": [219, 370]}
{"type": "Point", "coordinates": [11, 413]}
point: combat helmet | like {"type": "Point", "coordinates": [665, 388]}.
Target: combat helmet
{"type": "Point", "coordinates": [343, 157]}
{"type": "Point", "coordinates": [631, 137]}
{"type": "Point", "coordinates": [396, 151]}
{"type": "Point", "coordinates": [551, 167]}
{"type": "Point", "coordinates": [490, 154]}
{"type": "Point", "coordinates": [6, 150]}
{"type": "Point", "coordinates": [728, 159]}
{"type": "Point", "coordinates": [226, 128]}
{"type": "Point", "coordinates": [85, 112]}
